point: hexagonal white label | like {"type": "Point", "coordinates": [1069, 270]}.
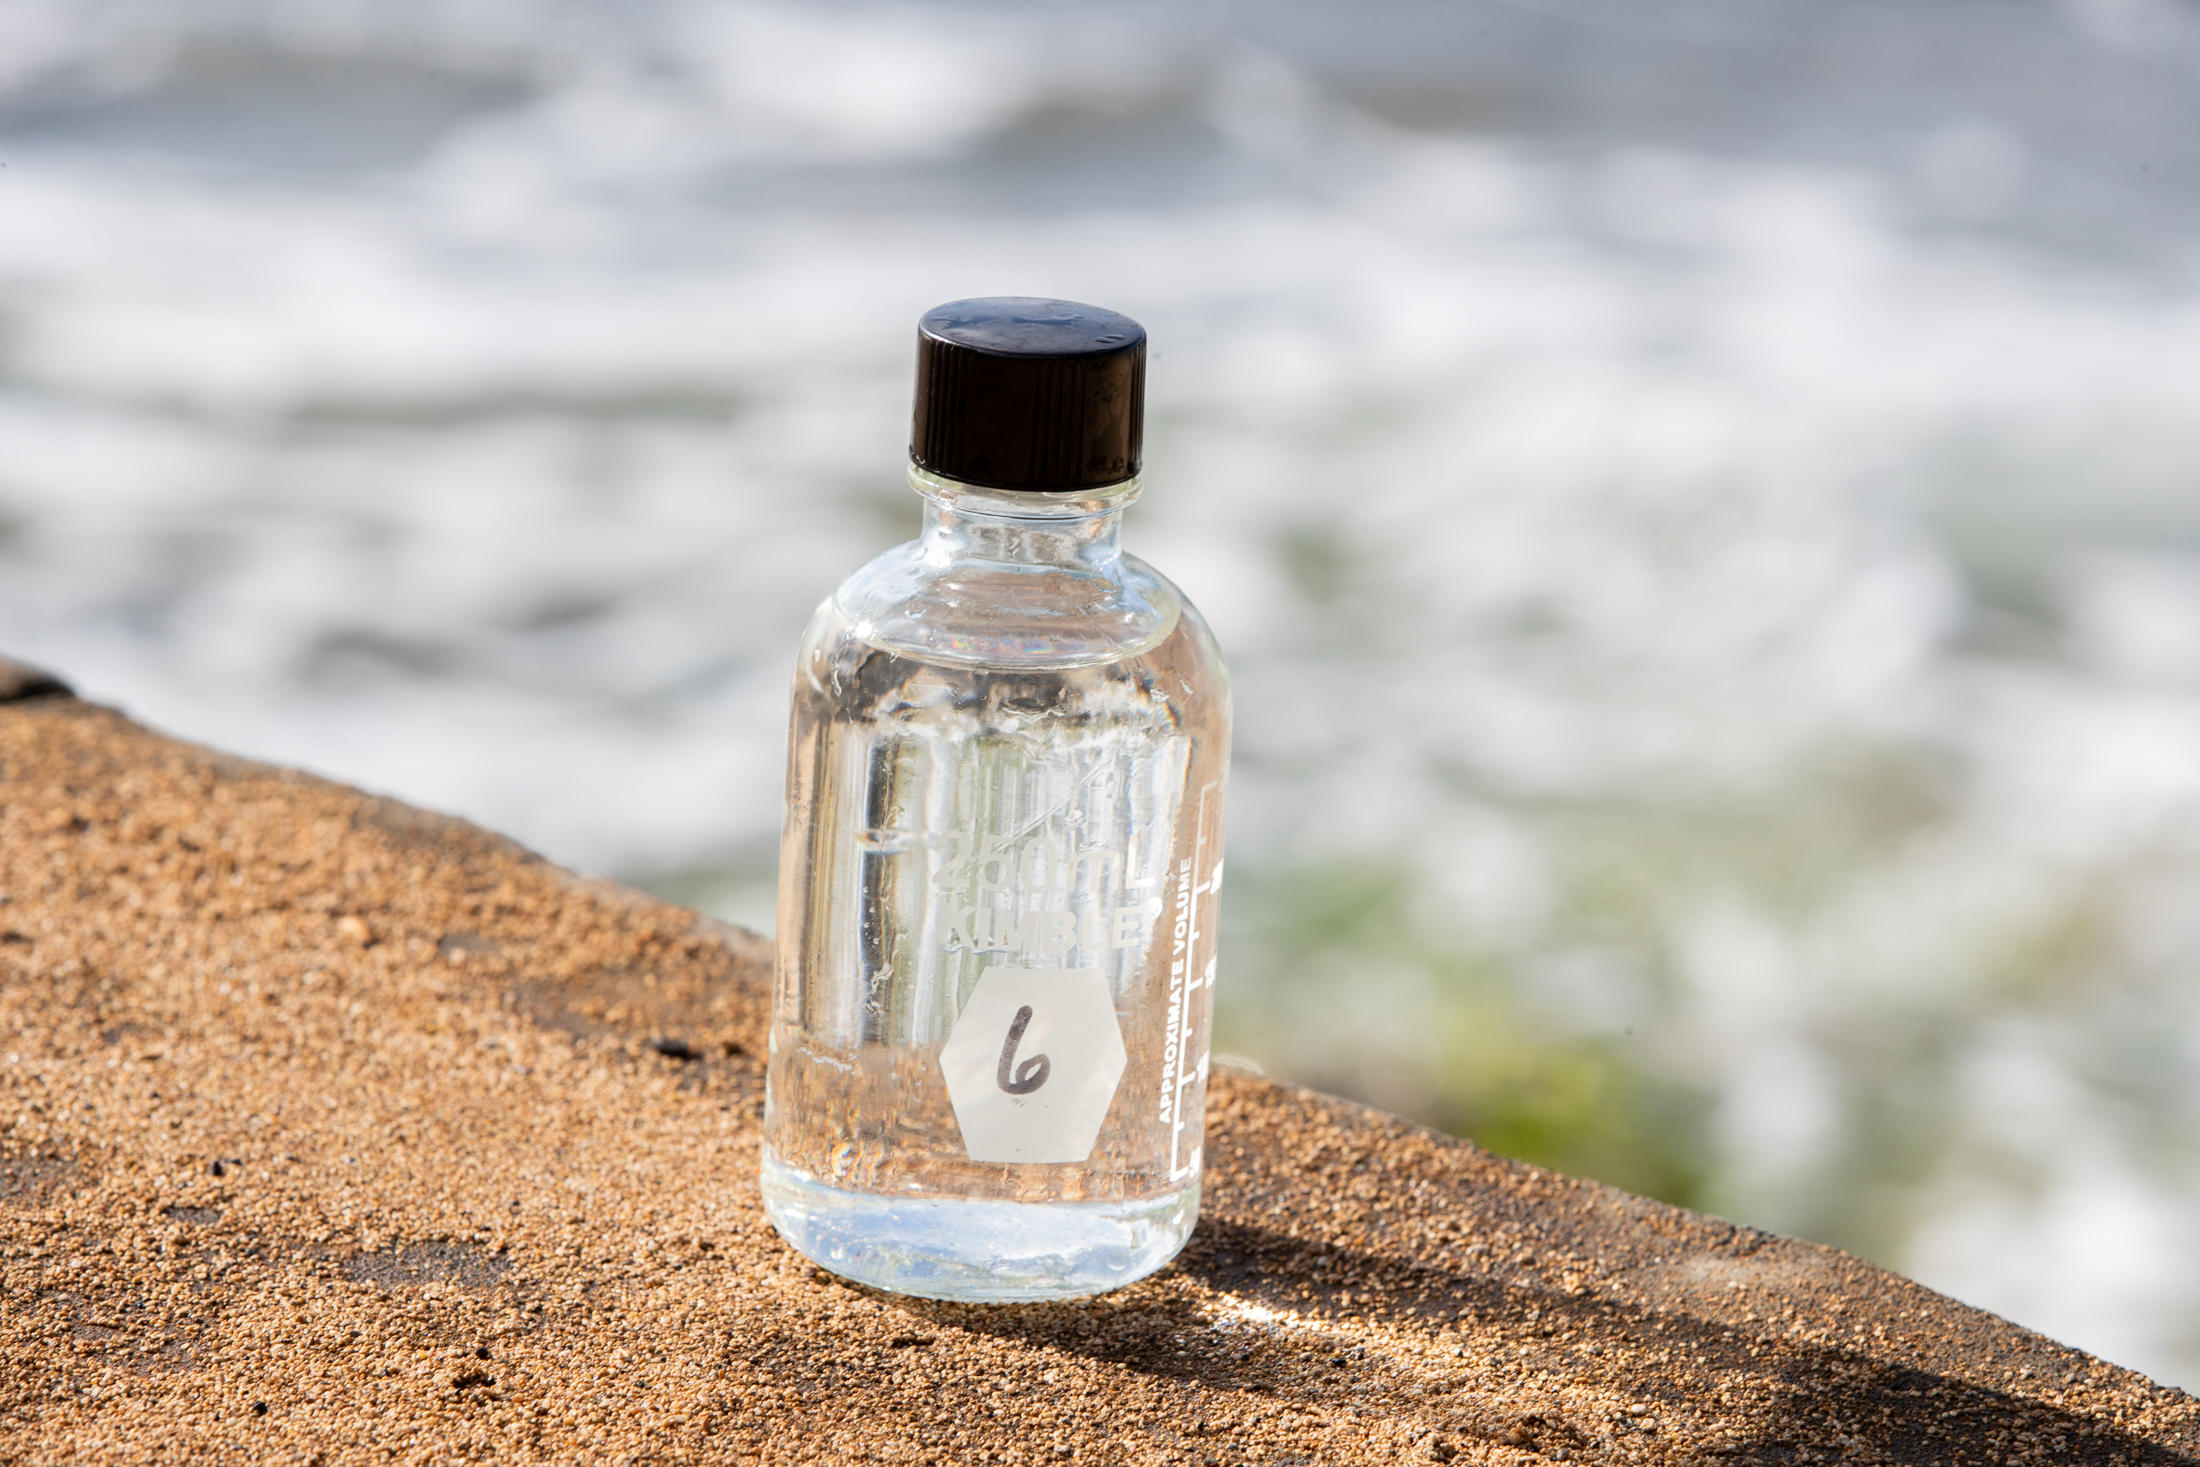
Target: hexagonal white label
{"type": "Point", "coordinates": [1033, 1063]}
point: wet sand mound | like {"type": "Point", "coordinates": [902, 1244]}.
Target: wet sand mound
{"type": "Point", "coordinates": [331, 1130]}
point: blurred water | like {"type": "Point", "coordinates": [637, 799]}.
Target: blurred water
{"type": "Point", "coordinates": [1702, 501]}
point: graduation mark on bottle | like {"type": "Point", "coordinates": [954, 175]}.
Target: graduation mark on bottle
{"type": "Point", "coordinates": [1180, 1070]}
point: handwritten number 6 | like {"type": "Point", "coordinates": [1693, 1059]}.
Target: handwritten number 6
{"type": "Point", "coordinates": [1029, 1075]}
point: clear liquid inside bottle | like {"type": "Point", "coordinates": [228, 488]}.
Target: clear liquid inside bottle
{"type": "Point", "coordinates": [997, 900]}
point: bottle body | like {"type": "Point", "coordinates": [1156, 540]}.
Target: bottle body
{"type": "Point", "coordinates": [998, 884]}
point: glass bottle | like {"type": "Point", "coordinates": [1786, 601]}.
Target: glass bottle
{"type": "Point", "coordinates": [1002, 851]}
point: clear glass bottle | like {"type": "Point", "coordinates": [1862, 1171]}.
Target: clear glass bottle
{"type": "Point", "coordinates": [1002, 853]}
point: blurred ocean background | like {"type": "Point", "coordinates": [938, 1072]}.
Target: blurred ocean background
{"type": "Point", "coordinates": [1702, 500]}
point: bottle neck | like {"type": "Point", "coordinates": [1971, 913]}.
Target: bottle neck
{"type": "Point", "coordinates": [1010, 580]}
{"type": "Point", "coordinates": [1075, 530]}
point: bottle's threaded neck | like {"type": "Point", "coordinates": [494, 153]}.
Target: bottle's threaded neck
{"type": "Point", "coordinates": [1077, 528]}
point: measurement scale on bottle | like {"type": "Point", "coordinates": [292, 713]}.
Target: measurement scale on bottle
{"type": "Point", "coordinates": [1178, 1072]}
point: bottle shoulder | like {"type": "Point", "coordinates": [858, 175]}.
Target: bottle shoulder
{"type": "Point", "coordinates": [1001, 614]}
{"type": "Point", "coordinates": [843, 666]}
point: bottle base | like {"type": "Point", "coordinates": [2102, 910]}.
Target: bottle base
{"type": "Point", "coordinates": [977, 1251]}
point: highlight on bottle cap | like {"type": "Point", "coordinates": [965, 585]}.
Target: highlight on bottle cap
{"type": "Point", "coordinates": [1022, 392]}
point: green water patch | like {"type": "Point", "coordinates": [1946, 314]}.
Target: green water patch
{"type": "Point", "coordinates": [1607, 1031]}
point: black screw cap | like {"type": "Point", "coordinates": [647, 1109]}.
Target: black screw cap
{"type": "Point", "coordinates": [1021, 392]}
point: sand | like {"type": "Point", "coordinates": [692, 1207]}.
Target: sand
{"type": "Point", "coordinates": [335, 1131]}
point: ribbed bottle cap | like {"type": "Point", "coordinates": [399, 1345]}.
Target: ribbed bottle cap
{"type": "Point", "coordinates": [1019, 392]}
